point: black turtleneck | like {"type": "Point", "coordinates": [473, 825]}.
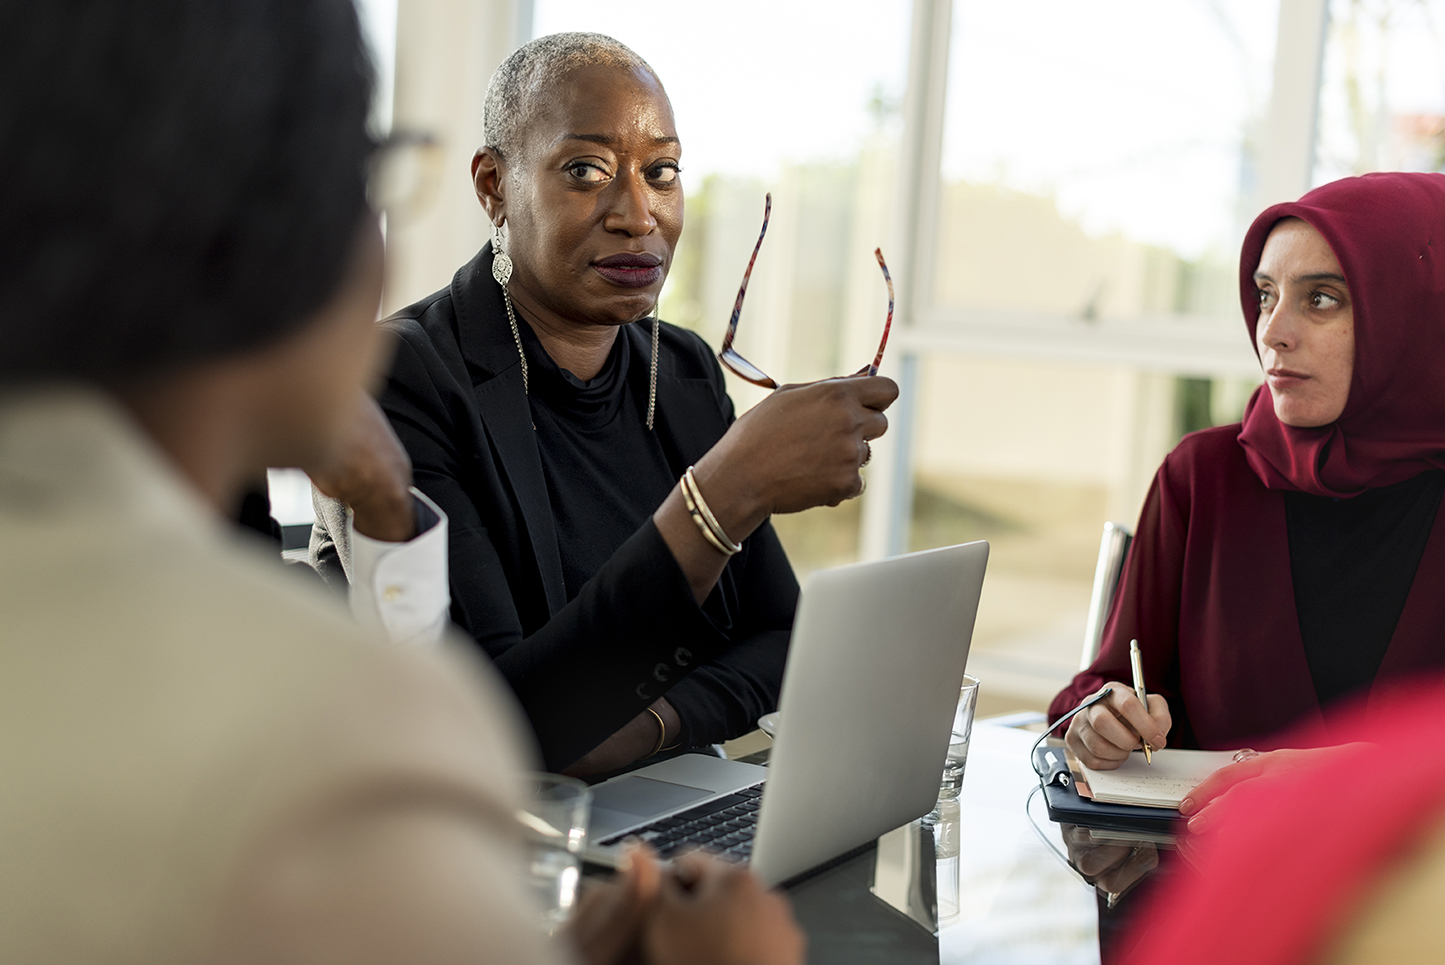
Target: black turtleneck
{"type": "Point", "coordinates": [606, 472]}
{"type": "Point", "coordinates": [1353, 562]}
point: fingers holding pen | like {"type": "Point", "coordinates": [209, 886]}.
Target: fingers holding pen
{"type": "Point", "coordinates": [1138, 723]}
{"type": "Point", "coordinates": [1104, 735]}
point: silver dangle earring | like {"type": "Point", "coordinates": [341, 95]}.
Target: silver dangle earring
{"type": "Point", "coordinates": [502, 272]}
{"type": "Point", "coordinates": [501, 261]}
{"type": "Point", "coordinates": [652, 384]}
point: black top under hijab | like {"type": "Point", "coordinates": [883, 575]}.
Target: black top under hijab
{"type": "Point", "coordinates": [605, 470]}
{"type": "Point", "coordinates": [1353, 561]}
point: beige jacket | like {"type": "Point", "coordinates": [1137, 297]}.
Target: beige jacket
{"type": "Point", "coordinates": [202, 760]}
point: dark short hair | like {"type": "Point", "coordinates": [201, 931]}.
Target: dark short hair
{"type": "Point", "coordinates": [180, 180]}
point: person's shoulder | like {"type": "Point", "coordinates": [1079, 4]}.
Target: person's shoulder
{"type": "Point", "coordinates": [427, 361]}
{"type": "Point", "coordinates": [307, 627]}
{"type": "Point", "coordinates": [1211, 443]}
{"type": "Point", "coordinates": [427, 325]}
{"type": "Point", "coordinates": [1211, 455]}
{"type": "Point", "coordinates": [208, 699]}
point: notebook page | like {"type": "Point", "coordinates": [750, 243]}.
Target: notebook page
{"type": "Point", "coordinates": [1162, 784]}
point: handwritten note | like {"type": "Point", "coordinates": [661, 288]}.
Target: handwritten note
{"type": "Point", "coordinates": [1162, 784]}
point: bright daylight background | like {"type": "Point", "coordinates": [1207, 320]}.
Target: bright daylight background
{"type": "Point", "coordinates": [1098, 163]}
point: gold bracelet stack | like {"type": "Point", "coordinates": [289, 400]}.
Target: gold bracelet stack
{"type": "Point", "coordinates": [707, 523]}
{"type": "Point", "coordinates": [661, 732]}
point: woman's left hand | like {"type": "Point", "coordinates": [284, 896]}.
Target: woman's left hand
{"type": "Point", "coordinates": [1200, 807]}
{"type": "Point", "coordinates": [633, 741]}
{"type": "Point", "coordinates": [370, 471]}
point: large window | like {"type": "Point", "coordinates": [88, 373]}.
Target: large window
{"type": "Point", "coordinates": [1382, 100]}
{"type": "Point", "coordinates": [1097, 157]}
{"type": "Point", "coordinates": [1097, 175]}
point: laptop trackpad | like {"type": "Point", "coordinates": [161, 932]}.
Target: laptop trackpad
{"type": "Point", "coordinates": [629, 801]}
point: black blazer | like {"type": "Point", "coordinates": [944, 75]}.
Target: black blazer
{"type": "Point", "coordinates": [633, 633]}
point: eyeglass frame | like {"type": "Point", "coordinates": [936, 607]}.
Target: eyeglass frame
{"type": "Point", "coordinates": [747, 371]}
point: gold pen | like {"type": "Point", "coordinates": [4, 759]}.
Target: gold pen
{"type": "Point", "coordinates": [1135, 662]}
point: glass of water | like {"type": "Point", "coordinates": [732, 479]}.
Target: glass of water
{"type": "Point", "coordinates": [958, 739]}
{"type": "Point", "coordinates": [554, 825]}
{"type": "Point", "coordinates": [945, 820]}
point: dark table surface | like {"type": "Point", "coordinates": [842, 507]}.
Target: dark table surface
{"type": "Point", "coordinates": [974, 883]}
{"type": "Point", "coordinates": [986, 878]}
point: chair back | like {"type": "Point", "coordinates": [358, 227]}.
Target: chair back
{"type": "Point", "coordinates": [1113, 547]}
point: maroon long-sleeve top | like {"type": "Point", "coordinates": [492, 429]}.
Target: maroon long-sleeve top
{"type": "Point", "coordinates": [1207, 591]}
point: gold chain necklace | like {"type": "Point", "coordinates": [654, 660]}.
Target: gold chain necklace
{"type": "Point", "coordinates": [502, 272]}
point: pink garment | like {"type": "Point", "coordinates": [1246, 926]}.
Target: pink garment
{"type": "Point", "coordinates": [1294, 856]}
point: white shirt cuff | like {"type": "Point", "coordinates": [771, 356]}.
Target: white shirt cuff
{"type": "Point", "coordinates": [402, 587]}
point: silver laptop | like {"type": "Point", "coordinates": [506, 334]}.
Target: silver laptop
{"type": "Point", "coordinates": [873, 675]}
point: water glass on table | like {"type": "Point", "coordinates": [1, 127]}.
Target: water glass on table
{"type": "Point", "coordinates": [952, 781]}
{"type": "Point", "coordinates": [554, 825]}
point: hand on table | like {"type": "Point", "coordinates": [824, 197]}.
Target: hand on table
{"type": "Point", "coordinates": [710, 912]}
{"type": "Point", "coordinates": [1199, 805]}
{"type": "Point", "coordinates": [606, 927]}
{"type": "Point", "coordinates": [1103, 736]}
{"type": "Point", "coordinates": [370, 472]}
{"type": "Point", "coordinates": [701, 911]}
{"type": "Point", "coordinates": [633, 741]}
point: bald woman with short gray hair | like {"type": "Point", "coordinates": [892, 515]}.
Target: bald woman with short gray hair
{"type": "Point", "coordinates": [610, 546]}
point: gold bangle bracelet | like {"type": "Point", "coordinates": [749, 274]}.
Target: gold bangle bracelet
{"type": "Point", "coordinates": [707, 515]}
{"type": "Point", "coordinates": [701, 523]}
{"type": "Point", "coordinates": [704, 517]}
{"type": "Point", "coordinates": [662, 732]}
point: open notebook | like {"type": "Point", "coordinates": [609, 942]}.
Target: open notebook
{"type": "Point", "coordinates": [1162, 784]}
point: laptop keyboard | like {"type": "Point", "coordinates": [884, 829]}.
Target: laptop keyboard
{"type": "Point", "coordinates": [724, 826]}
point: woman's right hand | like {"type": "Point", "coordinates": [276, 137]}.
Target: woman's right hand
{"type": "Point", "coordinates": [700, 911]}
{"type": "Point", "coordinates": [1103, 736]}
{"type": "Point", "coordinates": [801, 447]}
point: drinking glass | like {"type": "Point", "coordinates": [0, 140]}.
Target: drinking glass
{"type": "Point", "coordinates": [554, 824]}
{"type": "Point", "coordinates": [945, 822]}
{"type": "Point", "coordinates": [958, 739]}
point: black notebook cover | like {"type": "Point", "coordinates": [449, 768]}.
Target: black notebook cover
{"type": "Point", "coordinates": [1066, 807]}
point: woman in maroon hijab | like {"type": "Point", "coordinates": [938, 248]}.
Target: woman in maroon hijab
{"type": "Point", "coordinates": [1294, 559]}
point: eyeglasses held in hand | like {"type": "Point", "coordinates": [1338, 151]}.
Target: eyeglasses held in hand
{"type": "Point", "coordinates": [749, 372]}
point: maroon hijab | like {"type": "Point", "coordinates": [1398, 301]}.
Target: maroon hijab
{"type": "Point", "coordinates": [1382, 228]}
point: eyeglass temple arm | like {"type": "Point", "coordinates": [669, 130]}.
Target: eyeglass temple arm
{"type": "Point", "coordinates": [743, 288]}
{"type": "Point", "coordinates": [887, 325]}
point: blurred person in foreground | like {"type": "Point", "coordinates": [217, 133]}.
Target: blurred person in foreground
{"type": "Point", "coordinates": [1340, 861]}
{"type": "Point", "coordinates": [205, 760]}
{"type": "Point", "coordinates": [1295, 560]}
{"type": "Point", "coordinates": [550, 414]}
